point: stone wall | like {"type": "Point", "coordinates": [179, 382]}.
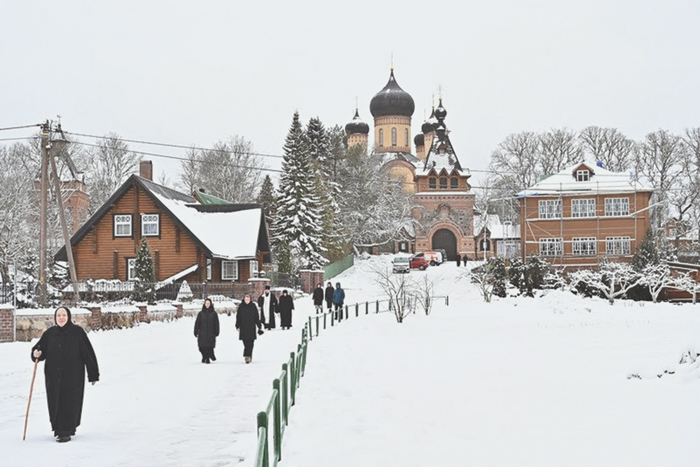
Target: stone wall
{"type": "Point", "coordinates": [30, 324]}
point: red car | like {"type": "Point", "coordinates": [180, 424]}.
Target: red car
{"type": "Point", "coordinates": [418, 262]}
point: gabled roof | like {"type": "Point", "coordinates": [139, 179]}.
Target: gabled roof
{"type": "Point", "coordinates": [227, 231]}
{"type": "Point", "coordinates": [441, 154]}
{"type": "Point", "coordinates": [206, 198]}
{"type": "Point", "coordinates": [600, 180]}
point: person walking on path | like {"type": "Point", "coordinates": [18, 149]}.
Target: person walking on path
{"type": "Point", "coordinates": [206, 330]}
{"type": "Point", "coordinates": [464, 260]}
{"type": "Point", "coordinates": [67, 352]}
{"type": "Point", "coordinates": [329, 296]}
{"type": "Point", "coordinates": [338, 299]}
{"type": "Point", "coordinates": [286, 306]}
{"type": "Point", "coordinates": [267, 302]}
{"type": "Point", "coordinates": [459, 258]}
{"type": "Point", "coordinates": [247, 319]}
{"type": "Point", "coordinates": [318, 298]}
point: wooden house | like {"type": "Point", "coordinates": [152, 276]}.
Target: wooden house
{"type": "Point", "coordinates": [189, 239]}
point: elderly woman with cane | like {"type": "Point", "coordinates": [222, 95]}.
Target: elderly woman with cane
{"type": "Point", "coordinates": [67, 352]}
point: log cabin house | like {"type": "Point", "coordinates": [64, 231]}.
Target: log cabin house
{"type": "Point", "coordinates": [196, 238]}
{"type": "Point", "coordinates": [583, 214]}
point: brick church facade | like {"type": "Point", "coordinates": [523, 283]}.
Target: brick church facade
{"type": "Point", "coordinates": [434, 175]}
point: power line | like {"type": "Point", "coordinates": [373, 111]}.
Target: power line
{"type": "Point", "coordinates": [165, 156]}
{"type": "Point", "coordinates": [18, 139]}
{"type": "Point", "coordinates": [168, 145]}
{"type": "Point", "coordinates": [20, 127]}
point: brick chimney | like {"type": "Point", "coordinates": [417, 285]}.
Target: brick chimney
{"type": "Point", "coordinates": [146, 170]}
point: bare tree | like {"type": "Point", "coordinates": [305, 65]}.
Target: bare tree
{"type": "Point", "coordinates": [108, 166]}
{"type": "Point", "coordinates": [611, 280]}
{"type": "Point", "coordinates": [516, 160]}
{"type": "Point", "coordinates": [484, 279]}
{"type": "Point", "coordinates": [398, 287]}
{"type": "Point", "coordinates": [424, 293]}
{"type": "Point", "coordinates": [558, 150]}
{"type": "Point", "coordinates": [656, 278]}
{"type": "Point", "coordinates": [609, 146]}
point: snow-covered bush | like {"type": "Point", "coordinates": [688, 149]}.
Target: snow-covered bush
{"type": "Point", "coordinates": [500, 276]}
{"type": "Point", "coordinates": [482, 277]}
{"type": "Point", "coordinates": [656, 277]}
{"type": "Point", "coordinates": [610, 281]}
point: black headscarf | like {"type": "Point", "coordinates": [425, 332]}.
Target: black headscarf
{"type": "Point", "coordinates": [204, 305]}
{"type": "Point", "coordinates": [68, 323]}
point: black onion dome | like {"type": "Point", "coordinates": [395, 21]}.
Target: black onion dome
{"type": "Point", "coordinates": [357, 126]}
{"type": "Point", "coordinates": [419, 140]}
{"type": "Point", "coordinates": [440, 112]}
{"type": "Point", "coordinates": [427, 128]}
{"type": "Point", "coordinates": [392, 100]}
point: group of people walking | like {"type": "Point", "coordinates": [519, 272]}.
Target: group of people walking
{"type": "Point", "coordinates": [250, 320]}
{"type": "Point", "coordinates": [68, 352]}
{"type": "Point", "coordinates": [333, 297]}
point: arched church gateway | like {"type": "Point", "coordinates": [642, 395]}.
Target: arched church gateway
{"type": "Point", "coordinates": [444, 239]}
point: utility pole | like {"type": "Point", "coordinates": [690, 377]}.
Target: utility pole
{"type": "Point", "coordinates": [57, 144]}
{"type": "Point", "coordinates": [43, 227]}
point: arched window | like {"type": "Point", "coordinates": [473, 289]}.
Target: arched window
{"type": "Point", "coordinates": [406, 132]}
{"type": "Point", "coordinates": [381, 138]}
{"type": "Point", "coordinates": [443, 183]}
{"type": "Point", "coordinates": [454, 183]}
{"type": "Point", "coordinates": [431, 183]}
{"type": "Point", "coordinates": [393, 136]}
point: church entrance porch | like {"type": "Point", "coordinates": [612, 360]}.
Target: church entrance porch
{"type": "Point", "coordinates": [444, 239]}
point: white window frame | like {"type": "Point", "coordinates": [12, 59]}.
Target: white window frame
{"type": "Point", "coordinates": [209, 261]}
{"type": "Point", "coordinates": [550, 209]}
{"type": "Point", "coordinates": [253, 268]}
{"type": "Point", "coordinates": [122, 220]}
{"type": "Point", "coordinates": [584, 246]}
{"type": "Point", "coordinates": [394, 137]}
{"type": "Point", "coordinates": [130, 269]}
{"type": "Point", "coordinates": [551, 247]}
{"type": "Point", "coordinates": [617, 246]}
{"type": "Point", "coordinates": [583, 175]}
{"type": "Point", "coordinates": [583, 207]}
{"type": "Point", "coordinates": [150, 220]}
{"type": "Point", "coordinates": [231, 275]}
{"type": "Point", "coordinates": [617, 206]}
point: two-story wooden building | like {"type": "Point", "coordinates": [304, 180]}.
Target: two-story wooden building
{"type": "Point", "coordinates": [189, 240]}
{"type": "Point", "coordinates": [584, 214]}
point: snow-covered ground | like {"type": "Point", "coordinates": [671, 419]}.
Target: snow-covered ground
{"type": "Point", "coordinates": [517, 382]}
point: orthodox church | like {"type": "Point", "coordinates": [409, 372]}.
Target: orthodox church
{"type": "Point", "coordinates": [433, 174]}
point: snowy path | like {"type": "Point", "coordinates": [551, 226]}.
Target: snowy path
{"type": "Point", "coordinates": [156, 403]}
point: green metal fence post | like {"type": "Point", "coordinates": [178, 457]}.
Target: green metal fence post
{"type": "Point", "coordinates": [332, 319]}
{"type": "Point", "coordinates": [318, 324]}
{"type": "Point", "coordinates": [278, 423]}
{"type": "Point", "coordinates": [357, 310]}
{"type": "Point", "coordinates": [285, 393]}
{"type": "Point", "coordinates": [447, 300]}
{"type": "Point", "coordinates": [262, 423]}
{"type": "Point", "coordinates": [347, 315]}
{"type": "Point", "coordinates": [324, 320]}
{"type": "Point", "coordinates": [303, 366]}
{"type": "Point", "coordinates": [311, 334]}
{"type": "Point", "coordinates": [293, 385]}
{"type": "Point", "coordinates": [366, 308]}
{"type": "Point", "coordinates": [377, 306]}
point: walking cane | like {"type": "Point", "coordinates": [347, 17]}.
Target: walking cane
{"type": "Point", "coordinates": [31, 389]}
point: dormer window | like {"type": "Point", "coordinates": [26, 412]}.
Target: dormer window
{"type": "Point", "coordinates": [443, 183]}
{"type": "Point", "coordinates": [432, 183]}
{"type": "Point", "coordinates": [583, 175]}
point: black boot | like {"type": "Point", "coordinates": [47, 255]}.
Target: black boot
{"type": "Point", "coordinates": [63, 438]}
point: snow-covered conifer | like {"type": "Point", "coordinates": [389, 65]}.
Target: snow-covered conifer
{"type": "Point", "coordinates": [144, 286]}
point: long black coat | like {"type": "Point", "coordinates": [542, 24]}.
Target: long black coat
{"type": "Point", "coordinates": [247, 319]}
{"type": "Point", "coordinates": [329, 295]}
{"type": "Point", "coordinates": [67, 352]}
{"type": "Point", "coordinates": [273, 309]}
{"type": "Point", "coordinates": [318, 296]}
{"type": "Point", "coordinates": [206, 327]}
{"type": "Point", "coordinates": [286, 306]}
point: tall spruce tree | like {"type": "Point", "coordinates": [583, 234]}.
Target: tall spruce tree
{"type": "Point", "coordinates": [647, 253]}
{"type": "Point", "coordinates": [144, 272]}
{"type": "Point", "coordinates": [298, 223]}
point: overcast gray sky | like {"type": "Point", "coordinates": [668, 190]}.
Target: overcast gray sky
{"type": "Point", "coordinates": [197, 72]}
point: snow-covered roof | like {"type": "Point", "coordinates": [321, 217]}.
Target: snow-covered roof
{"type": "Point", "coordinates": [497, 229]}
{"type": "Point", "coordinates": [441, 155]}
{"type": "Point", "coordinates": [600, 180]}
{"type": "Point", "coordinates": [228, 235]}
{"type": "Point", "coordinates": [177, 276]}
